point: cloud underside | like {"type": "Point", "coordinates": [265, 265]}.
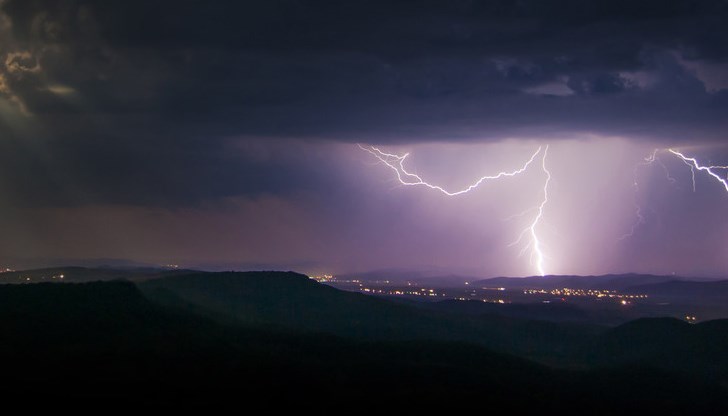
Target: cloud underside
{"type": "Point", "coordinates": [96, 88]}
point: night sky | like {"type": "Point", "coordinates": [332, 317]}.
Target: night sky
{"type": "Point", "coordinates": [224, 134]}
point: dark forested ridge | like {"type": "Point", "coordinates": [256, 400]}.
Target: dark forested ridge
{"type": "Point", "coordinates": [256, 337]}
{"type": "Point", "coordinates": [293, 301]}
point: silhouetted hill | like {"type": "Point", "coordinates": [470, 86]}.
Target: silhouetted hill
{"type": "Point", "coordinates": [286, 299]}
{"type": "Point", "coordinates": [104, 345]}
{"type": "Point", "coordinates": [99, 314]}
{"type": "Point", "coordinates": [666, 343]}
{"type": "Point", "coordinates": [293, 301]}
{"type": "Point", "coordinates": [105, 340]}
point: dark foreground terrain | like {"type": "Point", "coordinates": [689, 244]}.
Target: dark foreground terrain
{"type": "Point", "coordinates": [281, 339]}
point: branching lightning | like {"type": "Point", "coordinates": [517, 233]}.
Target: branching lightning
{"type": "Point", "coordinates": [649, 160]}
{"type": "Point", "coordinates": [693, 163]}
{"type": "Point", "coordinates": [535, 243]}
{"type": "Point", "coordinates": [692, 174]}
{"type": "Point", "coordinates": [694, 166]}
{"type": "Point", "coordinates": [396, 163]}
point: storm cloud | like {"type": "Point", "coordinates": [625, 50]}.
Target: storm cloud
{"type": "Point", "coordinates": [181, 104]}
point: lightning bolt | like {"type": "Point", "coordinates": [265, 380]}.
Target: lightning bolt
{"type": "Point", "coordinates": [649, 160]}
{"type": "Point", "coordinates": [692, 174]}
{"type": "Point", "coordinates": [397, 164]}
{"type": "Point", "coordinates": [535, 243]}
{"type": "Point", "coordinates": [691, 162]}
{"type": "Point", "coordinates": [694, 164]}
{"type": "Point", "coordinates": [640, 220]}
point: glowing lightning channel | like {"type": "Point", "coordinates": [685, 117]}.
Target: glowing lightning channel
{"type": "Point", "coordinates": [694, 166]}
{"type": "Point", "coordinates": [534, 236]}
{"type": "Point", "coordinates": [693, 163]}
{"type": "Point", "coordinates": [396, 163]}
{"type": "Point", "coordinates": [692, 174]}
{"type": "Point", "coordinates": [649, 160]}
{"type": "Point", "coordinates": [535, 243]}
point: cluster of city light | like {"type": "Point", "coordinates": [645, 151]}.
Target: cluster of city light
{"type": "Point", "coordinates": [30, 279]}
{"type": "Point", "coordinates": [396, 163]}
{"type": "Point", "coordinates": [597, 293]}
{"type": "Point", "coordinates": [329, 278]}
{"type": "Point", "coordinates": [325, 278]}
{"type": "Point", "coordinates": [500, 301]}
{"type": "Point", "coordinates": [402, 292]}
{"type": "Point", "coordinates": [423, 292]}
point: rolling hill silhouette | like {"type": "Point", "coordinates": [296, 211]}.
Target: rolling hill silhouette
{"type": "Point", "coordinates": [106, 344]}
{"type": "Point", "coordinates": [204, 338]}
{"type": "Point", "coordinates": [609, 282]}
{"type": "Point", "coordinates": [95, 340]}
{"type": "Point", "coordinates": [665, 343]}
{"type": "Point", "coordinates": [293, 301]}
{"type": "Point", "coordinates": [73, 274]}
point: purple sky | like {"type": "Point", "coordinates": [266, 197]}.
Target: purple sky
{"type": "Point", "coordinates": [224, 136]}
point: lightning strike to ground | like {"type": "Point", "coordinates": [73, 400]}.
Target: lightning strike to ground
{"type": "Point", "coordinates": [535, 243]}
{"type": "Point", "coordinates": [396, 163]}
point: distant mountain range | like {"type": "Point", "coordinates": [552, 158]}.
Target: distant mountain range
{"type": "Point", "coordinates": [645, 283]}
{"type": "Point", "coordinates": [620, 282]}
{"type": "Point", "coordinates": [74, 274]}
{"type": "Point", "coordinates": [404, 276]}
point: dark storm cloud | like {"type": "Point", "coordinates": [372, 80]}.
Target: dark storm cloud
{"type": "Point", "coordinates": [137, 101]}
{"type": "Point", "coordinates": [168, 171]}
